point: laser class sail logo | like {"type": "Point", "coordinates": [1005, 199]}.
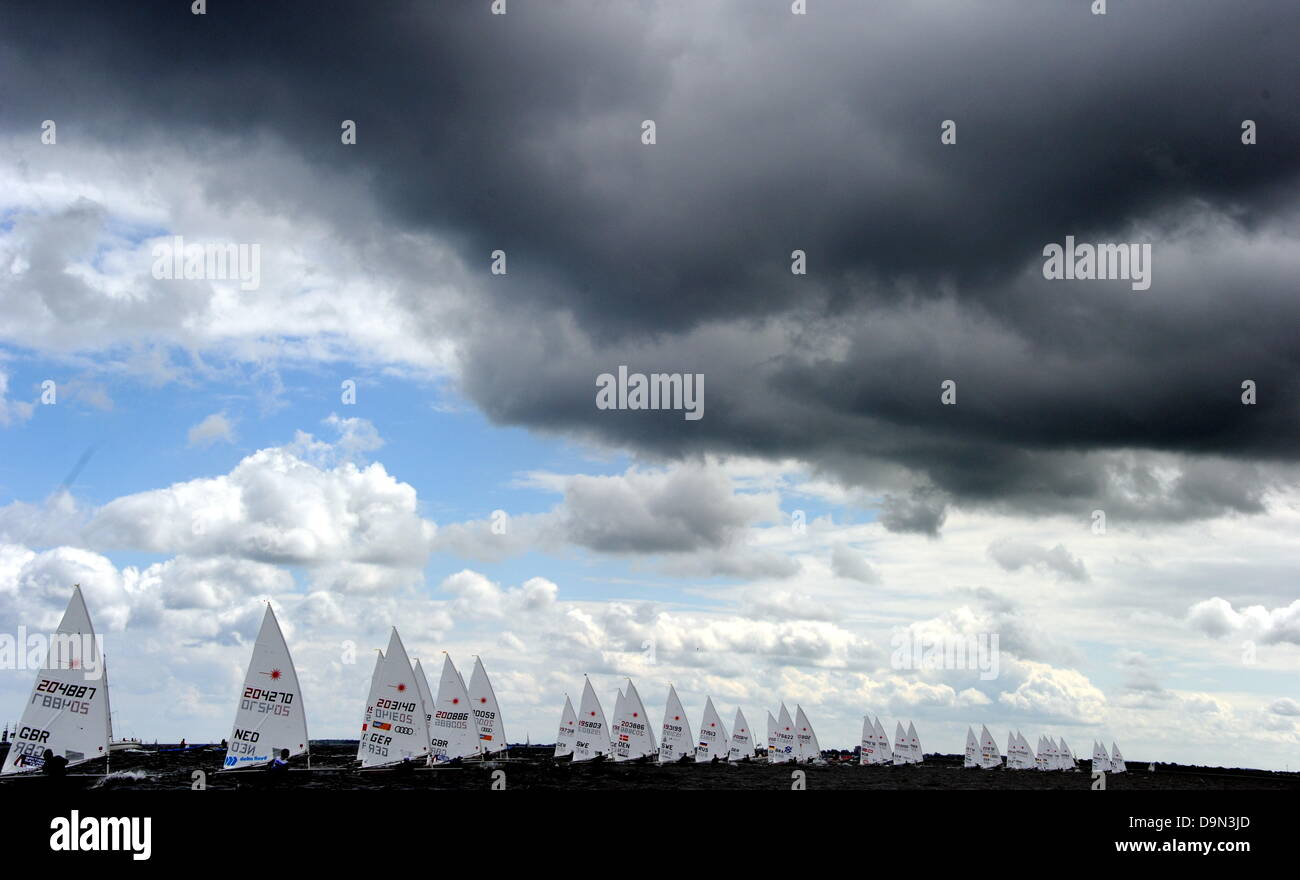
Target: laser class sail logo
{"type": "Point", "coordinates": [684, 391]}
{"type": "Point", "coordinates": [131, 834]}
{"type": "Point", "coordinates": [1100, 262]}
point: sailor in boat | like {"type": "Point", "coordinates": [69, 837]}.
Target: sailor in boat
{"type": "Point", "coordinates": [280, 765]}
{"type": "Point", "coordinates": [54, 765]}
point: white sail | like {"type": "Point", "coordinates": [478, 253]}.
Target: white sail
{"type": "Point", "coordinates": [1065, 758]}
{"type": "Point", "coordinates": [592, 740]}
{"type": "Point", "coordinates": [901, 753]}
{"type": "Point", "coordinates": [972, 749]}
{"type": "Point", "coordinates": [989, 757]}
{"type": "Point", "coordinates": [713, 741]}
{"type": "Point", "coordinates": [370, 701]}
{"type": "Point", "coordinates": [913, 745]}
{"type": "Point", "coordinates": [453, 734]}
{"type": "Point", "coordinates": [807, 747]}
{"type": "Point", "coordinates": [398, 731]}
{"type": "Point", "coordinates": [568, 729]}
{"type": "Point", "coordinates": [426, 696]}
{"type": "Point", "coordinates": [742, 739]}
{"type": "Point", "coordinates": [678, 741]}
{"type": "Point", "coordinates": [1116, 759]}
{"type": "Point", "coordinates": [1100, 760]}
{"type": "Point", "coordinates": [1013, 752]}
{"type": "Point", "coordinates": [885, 754]}
{"type": "Point", "coordinates": [68, 710]}
{"type": "Point", "coordinates": [771, 736]}
{"type": "Point", "coordinates": [490, 730]}
{"type": "Point", "coordinates": [1042, 759]}
{"type": "Point", "coordinates": [616, 727]}
{"type": "Point", "coordinates": [785, 742]}
{"type": "Point", "coordinates": [635, 739]}
{"type": "Point", "coordinates": [867, 750]}
{"type": "Point", "coordinates": [270, 717]}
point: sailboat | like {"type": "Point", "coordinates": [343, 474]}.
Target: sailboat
{"type": "Point", "coordinates": [901, 752]}
{"type": "Point", "coordinates": [592, 741]}
{"type": "Point", "coordinates": [426, 696]}
{"type": "Point", "coordinates": [635, 738]}
{"type": "Point", "coordinates": [1065, 758]}
{"type": "Point", "coordinates": [714, 742]}
{"type": "Point", "coordinates": [68, 711]}
{"type": "Point", "coordinates": [487, 711]}
{"type": "Point", "coordinates": [453, 736]}
{"type": "Point", "coordinates": [972, 750]}
{"type": "Point", "coordinates": [807, 747]}
{"type": "Point", "coordinates": [1116, 759]}
{"type": "Point", "coordinates": [884, 754]}
{"type": "Point", "coordinates": [676, 740]}
{"type": "Point", "coordinates": [398, 731]}
{"type": "Point", "coordinates": [742, 741]}
{"type": "Point", "coordinates": [989, 757]}
{"type": "Point", "coordinates": [914, 755]}
{"type": "Point", "coordinates": [867, 751]}
{"type": "Point", "coordinates": [270, 719]}
{"type": "Point", "coordinates": [568, 730]}
{"type": "Point", "coordinates": [620, 709]}
{"type": "Point", "coordinates": [771, 737]}
{"type": "Point", "coordinates": [370, 702]}
{"type": "Point", "coordinates": [1100, 760]}
{"type": "Point", "coordinates": [785, 744]}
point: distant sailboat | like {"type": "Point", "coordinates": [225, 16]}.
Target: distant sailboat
{"type": "Point", "coordinates": [807, 747]}
{"type": "Point", "coordinates": [742, 739]}
{"type": "Point", "coordinates": [592, 740]}
{"type": "Point", "coordinates": [867, 748]}
{"type": "Point", "coordinates": [635, 738]}
{"type": "Point", "coordinates": [901, 751]}
{"type": "Point", "coordinates": [616, 725]}
{"type": "Point", "coordinates": [714, 742]}
{"type": "Point", "coordinates": [454, 734]}
{"type": "Point", "coordinates": [677, 741]}
{"type": "Point", "coordinates": [884, 754]}
{"type": "Point", "coordinates": [568, 730]}
{"type": "Point", "coordinates": [487, 711]}
{"type": "Point", "coordinates": [771, 737]}
{"type": "Point", "coordinates": [1100, 760]}
{"type": "Point", "coordinates": [398, 730]}
{"type": "Point", "coordinates": [989, 757]}
{"type": "Point", "coordinates": [913, 745]}
{"type": "Point", "coordinates": [1065, 758]}
{"type": "Point", "coordinates": [426, 696]}
{"type": "Point", "coordinates": [68, 711]}
{"type": "Point", "coordinates": [785, 743]}
{"type": "Point", "coordinates": [1116, 759]}
{"type": "Point", "coordinates": [370, 702]}
{"type": "Point", "coordinates": [270, 717]}
{"type": "Point", "coordinates": [972, 749]}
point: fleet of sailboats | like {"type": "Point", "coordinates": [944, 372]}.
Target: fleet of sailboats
{"type": "Point", "coordinates": [404, 722]}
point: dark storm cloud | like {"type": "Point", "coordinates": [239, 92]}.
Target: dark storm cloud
{"type": "Point", "coordinates": [778, 132]}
